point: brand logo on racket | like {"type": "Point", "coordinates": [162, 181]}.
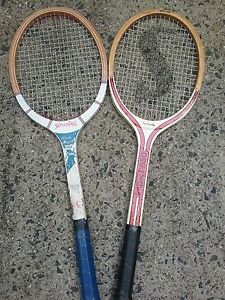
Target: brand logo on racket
{"type": "Point", "coordinates": [142, 171]}
{"type": "Point", "coordinates": [65, 124]}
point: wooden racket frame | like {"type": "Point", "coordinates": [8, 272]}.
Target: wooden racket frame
{"type": "Point", "coordinates": [41, 14]}
{"type": "Point", "coordinates": [154, 12]}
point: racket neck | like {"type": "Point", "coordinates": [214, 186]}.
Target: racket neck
{"type": "Point", "coordinates": [145, 138]}
{"type": "Point", "coordinates": [68, 142]}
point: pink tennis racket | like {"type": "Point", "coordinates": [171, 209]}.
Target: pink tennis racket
{"type": "Point", "coordinates": [156, 68]}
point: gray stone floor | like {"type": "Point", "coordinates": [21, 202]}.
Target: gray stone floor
{"type": "Point", "coordinates": [182, 252]}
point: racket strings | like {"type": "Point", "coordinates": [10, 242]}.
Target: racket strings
{"type": "Point", "coordinates": [58, 67]}
{"type": "Point", "coordinates": [156, 67]}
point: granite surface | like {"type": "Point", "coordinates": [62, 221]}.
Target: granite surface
{"type": "Point", "coordinates": [182, 251]}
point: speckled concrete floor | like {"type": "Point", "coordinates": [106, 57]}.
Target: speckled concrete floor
{"type": "Point", "coordinates": [182, 253]}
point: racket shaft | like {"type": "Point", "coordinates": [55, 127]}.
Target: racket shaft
{"type": "Point", "coordinates": [139, 185]}
{"type": "Point", "coordinates": [84, 254]}
{"type": "Point", "coordinates": [68, 142]}
{"type": "Point", "coordinates": [128, 262]}
{"type": "Point", "coordinates": [85, 261]}
{"type": "Point", "coordinates": [133, 228]}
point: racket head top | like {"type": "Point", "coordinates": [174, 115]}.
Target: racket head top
{"type": "Point", "coordinates": [157, 63]}
{"type": "Point", "coordinates": [57, 62]}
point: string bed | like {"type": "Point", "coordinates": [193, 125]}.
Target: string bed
{"type": "Point", "coordinates": [58, 67]}
{"type": "Point", "coordinates": [156, 67]}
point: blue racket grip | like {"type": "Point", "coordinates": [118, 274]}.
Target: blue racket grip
{"type": "Point", "coordinates": [85, 261]}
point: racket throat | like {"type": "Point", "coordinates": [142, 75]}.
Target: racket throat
{"type": "Point", "coordinates": [68, 143]}
{"type": "Point", "coordinates": [139, 183]}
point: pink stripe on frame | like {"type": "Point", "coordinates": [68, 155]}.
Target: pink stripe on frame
{"type": "Point", "coordinates": [138, 192]}
{"type": "Point", "coordinates": [139, 186]}
{"type": "Point", "coordinates": [135, 207]}
{"type": "Point", "coordinates": [175, 118]}
{"type": "Point", "coordinates": [121, 105]}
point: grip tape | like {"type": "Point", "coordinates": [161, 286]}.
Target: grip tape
{"type": "Point", "coordinates": [128, 263]}
{"type": "Point", "coordinates": [85, 261]}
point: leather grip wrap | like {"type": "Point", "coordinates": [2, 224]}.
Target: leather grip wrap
{"type": "Point", "coordinates": [128, 263]}
{"type": "Point", "coordinates": [85, 261]}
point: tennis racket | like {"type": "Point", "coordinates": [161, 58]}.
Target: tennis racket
{"type": "Point", "coordinates": [156, 68]}
{"type": "Point", "coordinates": [58, 72]}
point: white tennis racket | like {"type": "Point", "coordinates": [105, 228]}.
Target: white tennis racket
{"type": "Point", "coordinates": [58, 72]}
{"type": "Point", "coordinates": [156, 68]}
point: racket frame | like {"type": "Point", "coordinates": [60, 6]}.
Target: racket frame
{"type": "Point", "coordinates": [146, 132]}
{"type": "Point", "coordinates": [62, 126]}
{"type": "Point", "coordinates": [67, 132]}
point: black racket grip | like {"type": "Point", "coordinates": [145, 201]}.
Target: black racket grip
{"type": "Point", "coordinates": [128, 263]}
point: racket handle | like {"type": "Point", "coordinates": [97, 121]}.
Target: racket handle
{"type": "Point", "coordinates": [128, 263]}
{"type": "Point", "coordinates": [85, 260]}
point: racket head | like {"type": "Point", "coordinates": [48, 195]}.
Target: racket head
{"type": "Point", "coordinates": [147, 43]}
{"type": "Point", "coordinates": [58, 68]}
